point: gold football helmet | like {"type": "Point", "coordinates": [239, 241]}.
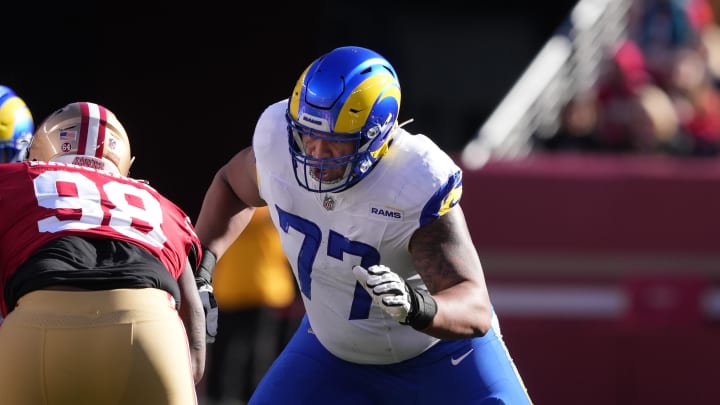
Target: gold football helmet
{"type": "Point", "coordinates": [85, 134]}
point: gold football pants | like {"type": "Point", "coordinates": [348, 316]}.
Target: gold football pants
{"type": "Point", "coordinates": [124, 346]}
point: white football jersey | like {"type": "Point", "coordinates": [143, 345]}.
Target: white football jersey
{"type": "Point", "coordinates": [325, 234]}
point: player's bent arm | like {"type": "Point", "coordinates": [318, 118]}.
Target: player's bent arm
{"type": "Point", "coordinates": [229, 203]}
{"type": "Point", "coordinates": [445, 257]}
{"type": "Point", "coordinates": [193, 316]}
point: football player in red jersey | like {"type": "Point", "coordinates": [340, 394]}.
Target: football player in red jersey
{"type": "Point", "coordinates": [96, 270]}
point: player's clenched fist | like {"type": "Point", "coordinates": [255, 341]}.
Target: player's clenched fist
{"type": "Point", "coordinates": [403, 303]}
{"type": "Point", "coordinates": [210, 306]}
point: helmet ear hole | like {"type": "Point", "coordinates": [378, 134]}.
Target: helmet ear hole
{"type": "Point", "coordinates": [373, 132]}
{"type": "Point", "coordinates": [352, 94]}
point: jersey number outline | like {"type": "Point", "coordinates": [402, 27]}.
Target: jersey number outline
{"type": "Point", "coordinates": [338, 245]}
{"type": "Point", "coordinates": [81, 206]}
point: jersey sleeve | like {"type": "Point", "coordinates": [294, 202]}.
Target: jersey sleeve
{"type": "Point", "coordinates": [268, 141]}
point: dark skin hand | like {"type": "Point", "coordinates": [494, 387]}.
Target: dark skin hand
{"type": "Point", "coordinates": [193, 316]}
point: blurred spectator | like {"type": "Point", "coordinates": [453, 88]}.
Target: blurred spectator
{"type": "Point", "coordinates": [577, 127]}
{"type": "Point", "coordinates": [664, 27]}
{"type": "Point", "coordinates": [257, 304]}
{"type": "Point", "coordinates": [656, 126]}
{"type": "Point", "coordinates": [711, 42]}
{"type": "Point", "coordinates": [658, 90]}
{"type": "Point", "coordinates": [703, 18]}
{"type": "Point", "coordinates": [624, 112]}
{"type": "Point", "coordinates": [697, 102]}
{"type": "Point", "coordinates": [633, 113]}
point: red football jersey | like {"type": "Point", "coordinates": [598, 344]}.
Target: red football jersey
{"type": "Point", "coordinates": [40, 201]}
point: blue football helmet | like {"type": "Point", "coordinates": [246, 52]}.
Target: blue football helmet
{"type": "Point", "coordinates": [350, 94]}
{"type": "Point", "coordinates": [16, 126]}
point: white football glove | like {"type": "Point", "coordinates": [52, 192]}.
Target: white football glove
{"type": "Point", "coordinates": [387, 289]}
{"type": "Point", "coordinates": [210, 306]}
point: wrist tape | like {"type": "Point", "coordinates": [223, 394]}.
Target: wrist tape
{"type": "Point", "coordinates": [207, 265]}
{"type": "Point", "coordinates": [422, 309]}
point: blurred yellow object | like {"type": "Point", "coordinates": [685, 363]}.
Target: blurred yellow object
{"type": "Point", "coordinates": [254, 271]}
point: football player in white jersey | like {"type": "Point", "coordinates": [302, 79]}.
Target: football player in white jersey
{"type": "Point", "coordinates": [398, 310]}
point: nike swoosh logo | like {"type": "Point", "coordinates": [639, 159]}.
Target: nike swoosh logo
{"type": "Point", "coordinates": [457, 361]}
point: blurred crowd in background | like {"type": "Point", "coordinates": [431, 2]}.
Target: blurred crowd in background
{"type": "Point", "coordinates": [658, 90]}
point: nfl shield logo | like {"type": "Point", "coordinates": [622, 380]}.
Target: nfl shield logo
{"type": "Point", "coordinates": [329, 203]}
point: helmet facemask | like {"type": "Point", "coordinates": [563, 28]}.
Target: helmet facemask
{"type": "Point", "coordinates": [16, 149]}
{"type": "Point", "coordinates": [313, 172]}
